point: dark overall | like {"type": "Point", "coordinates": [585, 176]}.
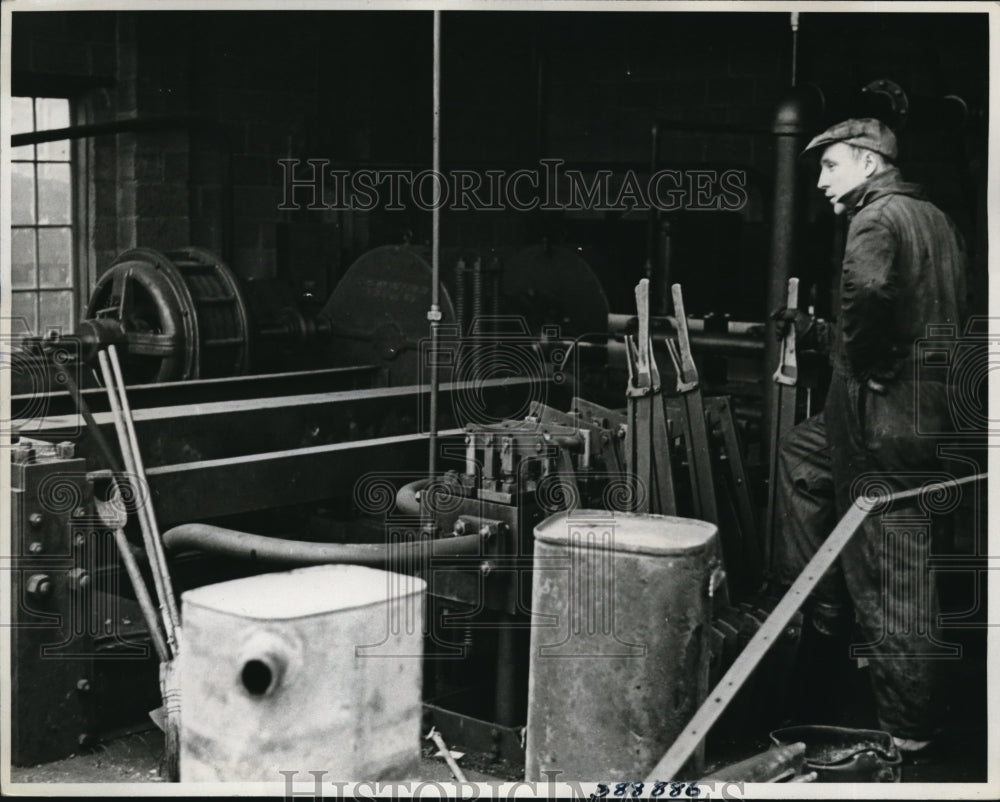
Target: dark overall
{"type": "Point", "coordinates": [903, 270]}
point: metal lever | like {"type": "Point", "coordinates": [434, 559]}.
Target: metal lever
{"type": "Point", "coordinates": [788, 367]}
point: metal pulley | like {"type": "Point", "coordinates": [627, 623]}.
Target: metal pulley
{"type": "Point", "coordinates": [177, 315]}
{"type": "Point", "coordinates": [377, 313]}
{"type": "Point", "coordinates": [554, 285]}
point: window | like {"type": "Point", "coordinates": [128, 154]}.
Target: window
{"type": "Point", "coordinates": [42, 235]}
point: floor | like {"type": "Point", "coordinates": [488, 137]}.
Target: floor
{"type": "Point", "coordinates": [959, 757]}
{"type": "Point", "coordinates": [136, 758]}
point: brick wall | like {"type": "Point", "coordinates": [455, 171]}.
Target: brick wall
{"type": "Point", "coordinates": [355, 88]}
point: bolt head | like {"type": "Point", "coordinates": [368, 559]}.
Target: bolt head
{"type": "Point", "coordinates": [39, 585]}
{"type": "Point", "coordinates": [35, 548]}
{"type": "Point", "coordinates": [486, 568]}
{"type": "Point", "coordinates": [23, 455]}
{"type": "Point", "coordinates": [460, 527]}
{"type": "Point", "coordinates": [65, 450]}
{"type": "Point", "coordinates": [35, 519]}
{"type": "Point", "coordinates": [83, 685]}
{"type": "Point", "coordinates": [79, 579]}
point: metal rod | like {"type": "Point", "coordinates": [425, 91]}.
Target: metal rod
{"type": "Point", "coordinates": [95, 430]}
{"type": "Point", "coordinates": [146, 503]}
{"type": "Point", "coordinates": [435, 312]}
{"type": "Point", "coordinates": [130, 467]}
{"type": "Point", "coordinates": [141, 594]}
{"type": "Point", "coordinates": [128, 558]}
{"type": "Point", "coordinates": [770, 631]}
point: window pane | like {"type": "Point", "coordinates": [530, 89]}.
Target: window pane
{"type": "Point", "coordinates": [22, 308]}
{"type": "Point", "coordinates": [54, 195]}
{"type": "Point", "coordinates": [21, 122]}
{"type": "Point", "coordinates": [56, 312]}
{"type": "Point", "coordinates": [52, 112]}
{"type": "Point", "coordinates": [55, 265]}
{"type": "Point", "coordinates": [22, 251]}
{"type": "Point", "coordinates": [22, 194]}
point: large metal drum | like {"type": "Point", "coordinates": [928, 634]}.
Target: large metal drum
{"type": "Point", "coordinates": [620, 641]}
{"type": "Point", "coordinates": [317, 669]}
{"type": "Point", "coordinates": [182, 312]}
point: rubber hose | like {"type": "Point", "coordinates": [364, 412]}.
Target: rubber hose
{"type": "Point", "coordinates": [406, 497]}
{"type": "Point", "coordinates": [276, 550]}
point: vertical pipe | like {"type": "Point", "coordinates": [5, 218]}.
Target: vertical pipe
{"type": "Point", "coordinates": [665, 278]}
{"type": "Point", "coordinates": [790, 128]}
{"type": "Point", "coordinates": [435, 311]}
{"type": "Point", "coordinates": [651, 271]}
{"type": "Point", "coordinates": [506, 698]}
{"type": "Point", "coordinates": [795, 46]}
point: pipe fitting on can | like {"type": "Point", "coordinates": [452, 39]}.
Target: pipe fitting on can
{"type": "Point", "coordinates": [265, 664]}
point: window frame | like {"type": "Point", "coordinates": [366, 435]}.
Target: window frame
{"type": "Point", "coordinates": [79, 159]}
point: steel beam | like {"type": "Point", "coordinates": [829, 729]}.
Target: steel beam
{"type": "Point", "coordinates": [207, 489]}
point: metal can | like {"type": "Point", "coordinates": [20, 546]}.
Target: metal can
{"type": "Point", "coordinates": [620, 641]}
{"type": "Point", "coordinates": [317, 669]}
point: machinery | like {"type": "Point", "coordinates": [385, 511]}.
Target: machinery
{"type": "Point", "coordinates": [250, 471]}
{"type": "Point", "coordinates": [316, 466]}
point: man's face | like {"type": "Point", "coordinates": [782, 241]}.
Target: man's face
{"type": "Point", "coordinates": [841, 169]}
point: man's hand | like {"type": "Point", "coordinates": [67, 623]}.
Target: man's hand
{"type": "Point", "coordinates": [785, 318]}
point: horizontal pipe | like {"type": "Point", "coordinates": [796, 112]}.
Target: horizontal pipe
{"type": "Point", "coordinates": [278, 551]}
{"type": "Point", "coordinates": [619, 322]}
{"type": "Point", "coordinates": [135, 124]}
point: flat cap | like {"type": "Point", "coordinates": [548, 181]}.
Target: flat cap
{"type": "Point", "coordinates": [864, 133]}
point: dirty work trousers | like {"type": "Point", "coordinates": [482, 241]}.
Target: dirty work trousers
{"type": "Point", "coordinates": [864, 439]}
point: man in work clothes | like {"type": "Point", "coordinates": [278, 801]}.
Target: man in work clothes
{"type": "Point", "coordinates": [903, 271]}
